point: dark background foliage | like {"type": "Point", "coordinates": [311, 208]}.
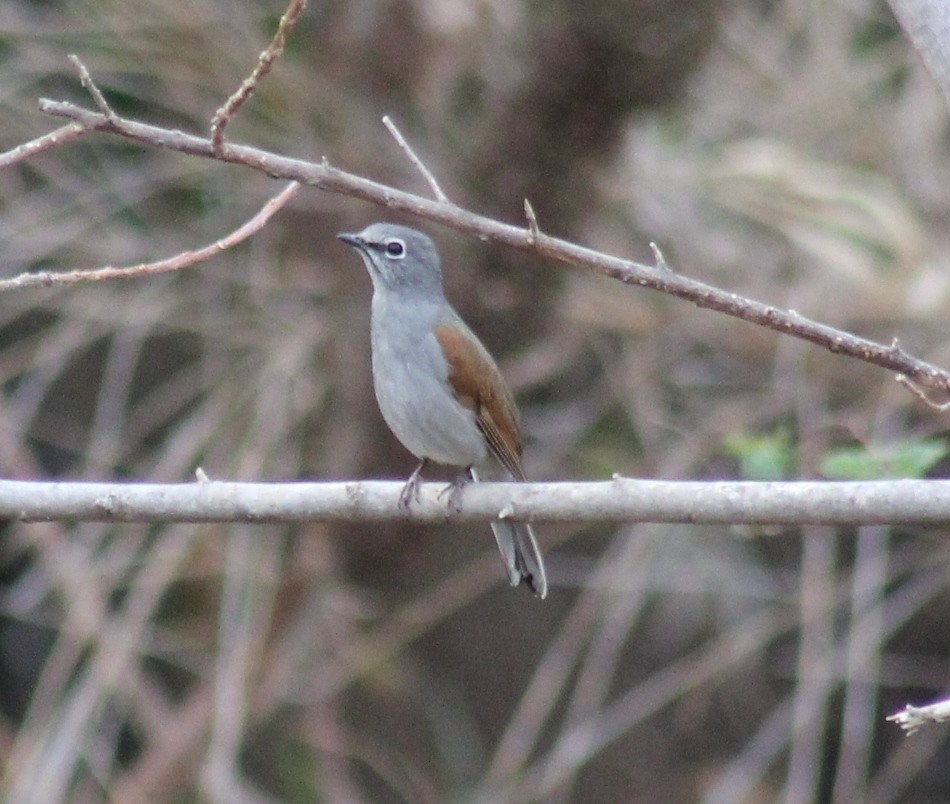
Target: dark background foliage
{"type": "Point", "coordinates": [793, 151]}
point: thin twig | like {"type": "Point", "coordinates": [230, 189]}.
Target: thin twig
{"type": "Point", "coordinates": [330, 179]}
{"type": "Point", "coordinates": [264, 64]}
{"type": "Point", "coordinates": [917, 391]}
{"type": "Point", "coordinates": [534, 231]}
{"type": "Point", "coordinates": [51, 140]}
{"type": "Point", "coordinates": [658, 259]}
{"type": "Point", "coordinates": [98, 98]}
{"type": "Point", "coordinates": [414, 158]}
{"type": "Point", "coordinates": [182, 260]}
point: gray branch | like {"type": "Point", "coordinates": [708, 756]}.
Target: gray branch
{"type": "Point", "coordinates": [913, 718]}
{"type": "Point", "coordinates": [528, 238]}
{"type": "Point", "coordinates": [916, 502]}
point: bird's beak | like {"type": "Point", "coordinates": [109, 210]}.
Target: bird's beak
{"type": "Point", "coordinates": [363, 248]}
{"type": "Point", "coordinates": [352, 240]}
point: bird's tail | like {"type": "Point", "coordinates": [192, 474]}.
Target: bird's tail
{"type": "Point", "coordinates": [522, 558]}
{"type": "Point", "coordinates": [519, 549]}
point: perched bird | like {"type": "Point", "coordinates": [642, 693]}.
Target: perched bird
{"type": "Point", "coordinates": [438, 388]}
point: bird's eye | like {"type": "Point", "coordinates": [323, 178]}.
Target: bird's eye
{"type": "Point", "coordinates": [395, 248]}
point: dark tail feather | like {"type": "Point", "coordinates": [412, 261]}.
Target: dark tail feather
{"type": "Point", "coordinates": [522, 558]}
{"type": "Point", "coordinates": [519, 549]}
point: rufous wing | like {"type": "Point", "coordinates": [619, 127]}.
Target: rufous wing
{"type": "Point", "coordinates": [479, 386]}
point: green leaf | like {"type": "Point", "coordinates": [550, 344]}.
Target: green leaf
{"type": "Point", "coordinates": [762, 457]}
{"type": "Point", "coordinates": [912, 458]}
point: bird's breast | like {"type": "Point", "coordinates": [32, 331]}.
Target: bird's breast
{"type": "Point", "coordinates": [410, 376]}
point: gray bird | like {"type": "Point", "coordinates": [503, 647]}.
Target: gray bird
{"type": "Point", "coordinates": [438, 388]}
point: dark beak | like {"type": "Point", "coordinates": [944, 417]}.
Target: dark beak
{"type": "Point", "coordinates": [352, 240]}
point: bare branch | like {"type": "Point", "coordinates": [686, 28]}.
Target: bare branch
{"type": "Point", "coordinates": [333, 180]}
{"type": "Point", "coordinates": [941, 407]}
{"type": "Point", "coordinates": [913, 718]}
{"type": "Point", "coordinates": [40, 144]}
{"type": "Point", "coordinates": [414, 158]}
{"type": "Point", "coordinates": [264, 64]}
{"type": "Point", "coordinates": [98, 98]}
{"type": "Point", "coordinates": [658, 258]}
{"type": "Point", "coordinates": [533, 229]}
{"type": "Point", "coordinates": [183, 260]}
{"type": "Point", "coordinates": [619, 500]}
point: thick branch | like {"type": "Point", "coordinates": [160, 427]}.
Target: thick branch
{"type": "Point", "coordinates": [622, 500]}
{"type": "Point", "coordinates": [529, 239]}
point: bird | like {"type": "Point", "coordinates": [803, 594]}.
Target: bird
{"type": "Point", "coordinates": [438, 388]}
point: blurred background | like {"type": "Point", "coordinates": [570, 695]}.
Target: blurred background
{"type": "Point", "coordinates": [790, 150]}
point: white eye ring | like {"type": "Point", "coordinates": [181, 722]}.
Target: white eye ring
{"type": "Point", "coordinates": [395, 248]}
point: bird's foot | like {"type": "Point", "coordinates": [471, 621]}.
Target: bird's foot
{"type": "Point", "coordinates": [410, 491]}
{"type": "Point", "coordinates": [454, 489]}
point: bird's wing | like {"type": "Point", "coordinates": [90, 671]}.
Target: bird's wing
{"type": "Point", "coordinates": [479, 386]}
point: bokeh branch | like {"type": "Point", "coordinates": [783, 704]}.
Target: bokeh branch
{"type": "Point", "coordinates": [244, 661]}
{"type": "Point", "coordinates": [531, 239]}
{"type": "Point", "coordinates": [927, 25]}
{"type": "Point", "coordinates": [621, 499]}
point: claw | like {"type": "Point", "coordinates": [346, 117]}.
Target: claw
{"type": "Point", "coordinates": [410, 491]}
{"type": "Point", "coordinates": [454, 489]}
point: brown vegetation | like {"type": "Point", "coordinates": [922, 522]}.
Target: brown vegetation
{"type": "Point", "coordinates": [794, 152]}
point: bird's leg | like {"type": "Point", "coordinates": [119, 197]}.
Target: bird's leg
{"type": "Point", "coordinates": [454, 489]}
{"type": "Point", "coordinates": [410, 491]}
